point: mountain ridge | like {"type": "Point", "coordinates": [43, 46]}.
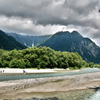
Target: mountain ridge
{"type": "Point", "coordinates": [29, 41]}
{"type": "Point", "coordinates": [74, 42]}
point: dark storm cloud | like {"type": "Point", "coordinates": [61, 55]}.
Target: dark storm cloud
{"type": "Point", "coordinates": [81, 7]}
{"type": "Point", "coordinates": [48, 16]}
{"type": "Point", "coordinates": [23, 8]}
{"type": "Point", "coordinates": [48, 11]}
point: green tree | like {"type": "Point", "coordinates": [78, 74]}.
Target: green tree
{"type": "Point", "coordinates": [17, 63]}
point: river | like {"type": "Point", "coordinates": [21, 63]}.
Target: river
{"type": "Point", "coordinates": [6, 77]}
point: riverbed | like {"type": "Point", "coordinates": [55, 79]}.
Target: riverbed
{"type": "Point", "coordinates": [68, 86]}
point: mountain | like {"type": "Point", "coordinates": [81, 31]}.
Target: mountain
{"type": "Point", "coordinates": [8, 42]}
{"type": "Point", "coordinates": [29, 41]}
{"type": "Point", "coordinates": [74, 42]}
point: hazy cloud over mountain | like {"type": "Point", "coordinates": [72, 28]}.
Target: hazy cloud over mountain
{"type": "Point", "coordinates": [41, 17]}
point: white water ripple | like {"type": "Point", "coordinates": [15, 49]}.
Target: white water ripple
{"type": "Point", "coordinates": [96, 96]}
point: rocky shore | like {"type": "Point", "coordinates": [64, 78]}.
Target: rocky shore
{"type": "Point", "coordinates": [63, 83]}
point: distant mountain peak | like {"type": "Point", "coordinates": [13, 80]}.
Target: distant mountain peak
{"type": "Point", "coordinates": [62, 32]}
{"type": "Point", "coordinates": [74, 33]}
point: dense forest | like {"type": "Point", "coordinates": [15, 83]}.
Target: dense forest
{"type": "Point", "coordinates": [42, 57]}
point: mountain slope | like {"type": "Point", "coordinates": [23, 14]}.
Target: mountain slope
{"type": "Point", "coordinates": [29, 41]}
{"type": "Point", "coordinates": [8, 42]}
{"type": "Point", "coordinates": [74, 42]}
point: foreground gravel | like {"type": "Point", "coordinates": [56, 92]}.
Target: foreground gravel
{"type": "Point", "coordinates": [71, 81]}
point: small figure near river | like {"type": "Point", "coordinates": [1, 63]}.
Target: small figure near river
{"type": "Point", "coordinates": [1, 71]}
{"type": "Point", "coordinates": [24, 71]}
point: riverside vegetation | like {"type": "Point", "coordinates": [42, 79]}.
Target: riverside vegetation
{"type": "Point", "coordinates": [42, 57]}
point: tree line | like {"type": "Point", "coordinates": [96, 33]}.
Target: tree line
{"type": "Point", "coordinates": [42, 57]}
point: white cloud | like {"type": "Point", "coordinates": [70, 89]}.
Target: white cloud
{"type": "Point", "coordinates": [27, 26]}
{"type": "Point", "coordinates": [41, 17]}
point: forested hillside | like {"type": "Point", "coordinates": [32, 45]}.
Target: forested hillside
{"type": "Point", "coordinates": [9, 43]}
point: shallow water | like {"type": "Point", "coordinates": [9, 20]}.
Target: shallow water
{"type": "Point", "coordinates": [4, 77]}
{"type": "Point", "coordinates": [72, 95]}
{"type": "Point", "coordinates": [96, 96]}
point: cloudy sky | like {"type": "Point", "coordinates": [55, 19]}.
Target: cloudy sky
{"type": "Point", "coordinates": [41, 17]}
